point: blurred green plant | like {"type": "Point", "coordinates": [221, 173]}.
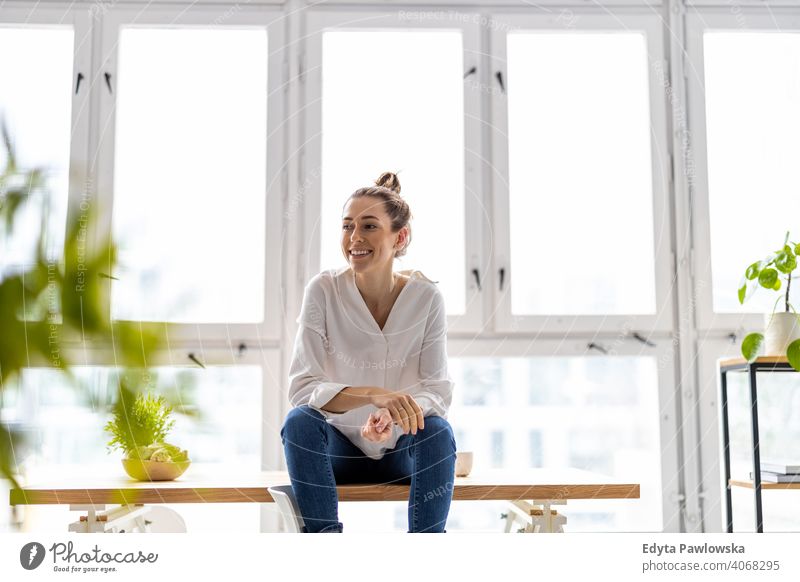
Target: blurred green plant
{"type": "Point", "coordinates": [767, 274]}
{"type": "Point", "coordinates": [46, 301]}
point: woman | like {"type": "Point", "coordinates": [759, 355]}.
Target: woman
{"type": "Point", "coordinates": [368, 384]}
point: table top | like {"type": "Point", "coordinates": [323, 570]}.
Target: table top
{"type": "Point", "coordinates": [760, 361]}
{"type": "Point", "coordinates": [212, 483]}
{"type": "Point", "coordinates": [764, 485]}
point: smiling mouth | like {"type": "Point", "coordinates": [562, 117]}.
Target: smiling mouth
{"type": "Point", "coordinates": [360, 256]}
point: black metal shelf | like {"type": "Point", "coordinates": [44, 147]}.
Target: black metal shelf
{"type": "Point", "coordinates": [763, 364]}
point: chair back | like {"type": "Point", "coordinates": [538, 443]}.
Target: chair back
{"type": "Point", "coordinates": [284, 498]}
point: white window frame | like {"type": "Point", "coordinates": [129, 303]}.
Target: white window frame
{"type": "Point", "coordinates": [311, 156]}
{"type": "Point", "coordinates": [272, 20]}
{"type": "Point", "coordinates": [649, 22]}
{"type": "Point", "coordinates": [709, 353]}
{"type": "Point", "coordinates": [696, 432]}
{"type": "Point", "coordinates": [719, 334]}
{"type": "Point", "coordinates": [669, 423]}
{"type": "Point", "coordinates": [429, 7]}
{"type": "Point", "coordinates": [699, 21]}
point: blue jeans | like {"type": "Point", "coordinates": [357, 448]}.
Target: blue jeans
{"type": "Point", "coordinates": [319, 457]}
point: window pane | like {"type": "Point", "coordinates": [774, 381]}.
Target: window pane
{"type": "Point", "coordinates": [36, 103]}
{"type": "Point", "coordinates": [580, 174]}
{"type": "Point", "coordinates": [393, 101]}
{"type": "Point", "coordinates": [190, 175]}
{"type": "Point", "coordinates": [68, 424]}
{"type": "Point", "coordinates": [752, 87]}
{"type": "Point", "coordinates": [596, 414]}
{"type": "Point", "coordinates": [65, 426]}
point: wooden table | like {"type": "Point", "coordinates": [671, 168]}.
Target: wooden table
{"type": "Point", "coordinates": [530, 492]}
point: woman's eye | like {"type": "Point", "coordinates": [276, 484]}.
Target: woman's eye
{"type": "Point", "coordinates": [344, 227]}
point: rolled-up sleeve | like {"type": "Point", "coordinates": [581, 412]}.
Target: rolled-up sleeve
{"type": "Point", "coordinates": [436, 385]}
{"type": "Point", "coordinates": [308, 383]}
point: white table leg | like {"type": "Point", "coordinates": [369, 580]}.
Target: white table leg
{"type": "Point", "coordinates": [509, 521]}
{"type": "Point", "coordinates": [537, 516]}
{"type": "Point", "coordinates": [125, 518]}
{"type": "Point", "coordinates": [551, 522]}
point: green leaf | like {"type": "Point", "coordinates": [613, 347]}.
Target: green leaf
{"type": "Point", "coordinates": [70, 293]}
{"type": "Point", "coordinates": [753, 271]}
{"type": "Point", "coordinates": [11, 156]}
{"type": "Point", "coordinates": [793, 353]}
{"type": "Point", "coordinates": [11, 442]}
{"type": "Point", "coordinates": [786, 261]}
{"type": "Point", "coordinates": [767, 278]}
{"type": "Point", "coordinates": [742, 293]}
{"type": "Point", "coordinates": [797, 249]}
{"type": "Point", "coordinates": [751, 346]}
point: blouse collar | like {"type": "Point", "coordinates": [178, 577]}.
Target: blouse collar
{"type": "Point", "coordinates": [357, 304]}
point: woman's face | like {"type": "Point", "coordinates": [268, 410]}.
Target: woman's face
{"type": "Point", "coordinates": [367, 227]}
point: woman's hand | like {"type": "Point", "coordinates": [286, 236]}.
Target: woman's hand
{"type": "Point", "coordinates": [379, 426]}
{"type": "Point", "coordinates": [404, 410]}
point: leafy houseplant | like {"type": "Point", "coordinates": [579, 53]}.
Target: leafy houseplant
{"type": "Point", "coordinates": [53, 297]}
{"type": "Point", "coordinates": [140, 427]}
{"type": "Point", "coordinates": [782, 328]}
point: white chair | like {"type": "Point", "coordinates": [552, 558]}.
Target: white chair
{"type": "Point", "coordinates": [284, 499]}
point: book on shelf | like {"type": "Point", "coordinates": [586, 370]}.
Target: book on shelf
{"type": "Point", "coordinates": [781, 466]}
{"type": "Point", "coordinates": [768, 477]}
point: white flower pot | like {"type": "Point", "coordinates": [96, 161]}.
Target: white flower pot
{"type": "Point", "coordinates": [781, 330]}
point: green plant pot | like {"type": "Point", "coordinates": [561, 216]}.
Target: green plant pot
{"type": "Point", "coordinates": [153, 470]}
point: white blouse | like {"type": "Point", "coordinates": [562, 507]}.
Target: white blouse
{"type": "Point", "coordinates": [339, 344]}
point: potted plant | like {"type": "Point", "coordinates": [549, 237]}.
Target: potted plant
{"type": "Point", "coordinates": [782, 329]}
{"type": "Point", "coordinates": [140, 427]}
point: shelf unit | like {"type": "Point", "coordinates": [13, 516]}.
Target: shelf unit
{"type": "Point", "coordinates": [762, 364]}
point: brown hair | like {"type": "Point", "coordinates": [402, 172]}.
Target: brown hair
{"type": "Point", "coordinates": [387, 189]}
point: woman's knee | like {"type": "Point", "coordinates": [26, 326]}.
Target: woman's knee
{"type": "Point", "coordinates": [300, 421]}
{"type": "Point", "coordinates": [437, 432]}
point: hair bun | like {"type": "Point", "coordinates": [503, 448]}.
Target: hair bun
{"type": "Point", "coordinates": [389, 180]}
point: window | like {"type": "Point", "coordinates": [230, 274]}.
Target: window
{"type": "Point", "coordinates": [497, 449]}
{"type": "Point", "coordinates": [392, 100]}
{"type": "Point", "coordinates": [580, 178]}
{"type": "Point", "coordinates": [535, 443]}
{"type": "Point", "coordinates": [181, 165]}
{"type": "Point", "coordinates": [742, 81]}
{"type": "Point", "coordinates": [190, 175]}
{"type": "Point", "coordinates": [65, 427]}
{"type": "Point", "coordinates": [752, 86]}
{"type": "Point", "coordinates": [36, 104]}
{"type": "Point", "coordinates": [483, 385]}
{"type": "Point", "coordinates": [600, 414]}
{"type": "Point", "coordinates": [188, 128]}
